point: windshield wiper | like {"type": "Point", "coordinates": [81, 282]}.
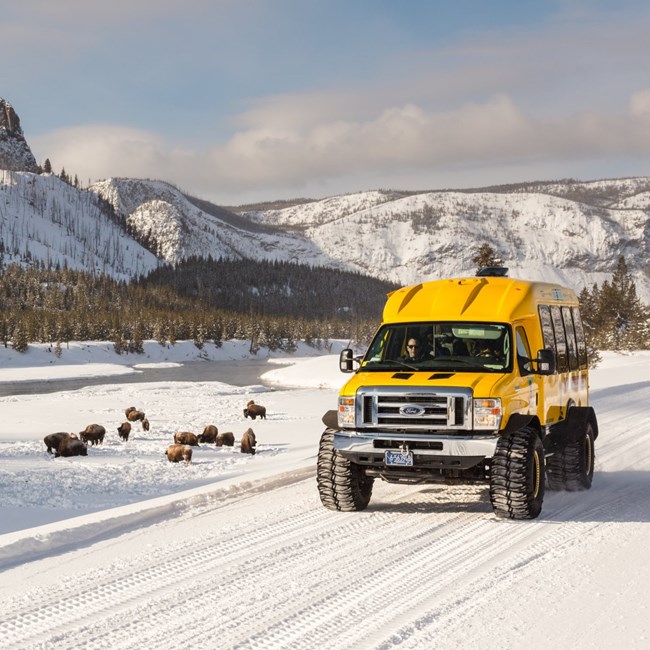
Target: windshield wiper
{"type": "Point", "coordinates": [385, 365]}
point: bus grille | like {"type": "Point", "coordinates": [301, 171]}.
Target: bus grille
{"type": "Point", "coordinates": [393, 409]}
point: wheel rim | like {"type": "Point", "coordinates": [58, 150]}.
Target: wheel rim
{"type": "Point", "coordinates": [537, 474]}
{"type": "Point", "coordinates": [588, 454]}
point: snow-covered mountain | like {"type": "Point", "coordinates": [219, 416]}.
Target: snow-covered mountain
{"type": "Point", "coordinates": [45, 219]}
{"type": "Point", "coordinates": [539, 232]}
{"type": "Point", "coordinates": [159, 213]}
{"type": "Point", "coordinates": [570, 232]}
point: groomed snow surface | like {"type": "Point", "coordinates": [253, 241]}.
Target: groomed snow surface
{"type": "Point", "coordinates": [122, 549]}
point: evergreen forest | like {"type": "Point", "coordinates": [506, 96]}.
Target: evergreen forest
{"type": "Point", "coordinates": [272, 304]}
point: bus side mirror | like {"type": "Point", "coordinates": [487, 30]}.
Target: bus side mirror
{"type": "Point", "coordinates": [545, 362]}
{"type": "Point", "coordinates": [346, 360]}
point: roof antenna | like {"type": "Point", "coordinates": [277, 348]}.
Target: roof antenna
{"type": "Point", "coordinates": [492, 272]}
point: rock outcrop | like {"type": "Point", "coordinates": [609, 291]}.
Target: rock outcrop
{"type": "Point", "coordinates": [15, 154]}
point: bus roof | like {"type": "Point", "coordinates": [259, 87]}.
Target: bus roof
{"type": "Point", "coordinates": [499, 299]}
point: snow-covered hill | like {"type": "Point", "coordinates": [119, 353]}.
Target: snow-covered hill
{"type": "Point", "coordinates": [431, 235]}
{"type": "Point", "coordinates": [178, 229]}
{"type": "Point", "coordinates": [44, 219]}
{"type": "Point", "coordinates": [568, 231]}
{"type": "Point", "coordinates": [400, 237]}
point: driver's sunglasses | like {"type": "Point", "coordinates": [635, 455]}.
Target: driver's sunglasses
{"type": "Point", "coordinates": [412, 346]}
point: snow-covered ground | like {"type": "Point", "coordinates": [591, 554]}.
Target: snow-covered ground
{"type": "Point", "coordinates": [122, 549]}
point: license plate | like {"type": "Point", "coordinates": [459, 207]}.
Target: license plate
{"type": "Point", "coordinates": [400, 458]}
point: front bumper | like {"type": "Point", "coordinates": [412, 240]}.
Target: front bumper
{"type": "Point", "coordinates": [439, 451]}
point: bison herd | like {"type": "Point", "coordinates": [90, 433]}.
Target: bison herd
{"type": "Point", "coordinates": [72, 444]}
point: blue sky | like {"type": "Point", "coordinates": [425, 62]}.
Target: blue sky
{"type": "Point", "coordinates": [244, 100]}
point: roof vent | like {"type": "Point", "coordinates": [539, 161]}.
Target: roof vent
{"type": "Point", "coordinates": [493, 272]}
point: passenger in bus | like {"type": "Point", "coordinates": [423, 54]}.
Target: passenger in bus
{"type": "Point", "coordinates": [488, 350]}
{"type": "Point", "coordinates": [436, 349]}
{"type": "Point", "coordinates": [414, 351]}
{"type": "Point", "coordinates": [459, 348]}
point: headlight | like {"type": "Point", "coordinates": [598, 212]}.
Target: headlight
{"type": "Point", "coordinates": [487, 414]}
{"type": "Point", "coordinates": [346, 412]}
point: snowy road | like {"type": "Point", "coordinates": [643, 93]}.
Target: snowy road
{"type": "Point", "coordinates": [421, 563]}
{"type": "Point", "coordinates": [423, 567]}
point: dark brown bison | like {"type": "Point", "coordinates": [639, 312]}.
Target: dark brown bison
{"type": "Point", "coordinates": [53, 440]}
{"type": "Point", "coordinates": [226, 439]}
{"type": "Point", "coordinates": [71, 447]}
{"type": "Point", "coordinates": [186, 438]}
{"type": "Point", "coordinates": [248, 442]}
{"type": "Point", "coordinates": [209, 434]}
{"type": "Point", "coordinates": [177, 453]}
{"type": "Point", "coordinates": [253, 410]}
{"type": "Point", "coordinates": [145, 424]}
{"type": "Point", "coordinates": [124, 430]}
{"type": "Point", "coordinates": [134, 416]}
{"type": "Point", "coordinates": [128, 410]}
{"type": "Point", "coordinates": [93, 433]}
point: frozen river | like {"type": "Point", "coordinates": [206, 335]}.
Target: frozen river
{"type": "Point", "coordinates": [236, 373]}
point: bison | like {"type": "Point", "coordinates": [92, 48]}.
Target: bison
{"type": "Point", "coordinates": [128, 410]}
{"type": "Point", "coordinates": [186, 438]}
{"type": "Point", "coordinates": [248, 442]}
{"type": "Point", "coordinates": [209, 434]}
{"type": "Point", "coordinates": [177, 453]}
{"type": "Point", "coordinates": [226, 439]}
{"type": "Point", "coordinates": [134, 416]}
{"type": "Point", "coordinates": [145, 424]}
{"type": "Point", "coordinates": [53, 440]}
{"type": "Point", "coordinates": [124, 430]}
{"type": "Point", "coordinates": [252, 410]}
{"type": "Point", "coordinates": [93, 433]}
{"type": "Point", "coordinates": [71, 446]}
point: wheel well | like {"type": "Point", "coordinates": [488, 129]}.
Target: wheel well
{"type": "Point", "coordinates": [519, 421]}
{"type": "Point", "coordinates": [570, 429]}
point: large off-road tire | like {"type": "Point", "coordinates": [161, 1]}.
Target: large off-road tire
{"type": "Point", "coordinates": [572, 468]}
{"type": "Point", "coordinates": [342, 485]}
{"type": "Point", "coordinates": [517, 475]}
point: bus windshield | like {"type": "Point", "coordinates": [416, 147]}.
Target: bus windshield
{"type": "Point", "coordinates": [441, 345]}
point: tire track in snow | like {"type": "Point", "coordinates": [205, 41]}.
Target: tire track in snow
{"type": "Point", "coordinates": [22, 623]}
{"type": "Point", "coordinates": [127, 581]}
{"type": "Point", "coordinates": [415, 543]}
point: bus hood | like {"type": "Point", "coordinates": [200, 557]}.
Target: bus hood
{"type": "Point", "coordinates": [482, 384]}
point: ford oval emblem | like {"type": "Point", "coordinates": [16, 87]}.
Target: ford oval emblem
{"type": "Point", "coordinates": [411, 410]}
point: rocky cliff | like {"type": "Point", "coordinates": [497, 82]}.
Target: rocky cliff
{"type": "Point", "coordinates": [15, 154]}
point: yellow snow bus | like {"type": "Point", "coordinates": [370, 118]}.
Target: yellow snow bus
{"type": "Point", "coordinates": [472, 379]}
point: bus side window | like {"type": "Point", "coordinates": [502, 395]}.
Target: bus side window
{"type": "Point", "coordinates": [547, 329]}
{"type": "Point", "coordinates": [570, 338]}
{"type": "Point", "coordinates": [523, 352]}
{"type": "Point", "coordinates": [560, 339]}
{"type": "Point", "coordinates": [580, 336]}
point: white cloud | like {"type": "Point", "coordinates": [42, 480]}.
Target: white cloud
{"type": "Point", "coordinates": [640, 104]}
{"type": "Point", "coordinates": [496, 132]}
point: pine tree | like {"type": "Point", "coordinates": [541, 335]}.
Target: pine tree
{"type": "Point", "coordinates": [19, 338]}
{"type": "Point", "coordinates": [136, 343]}
{"type": "Point", "coordinates": [486, 256]}
{"type": "Point", "coordinates": [622, 314]}
{"type": "Point", "coordinates": [199, 335]}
